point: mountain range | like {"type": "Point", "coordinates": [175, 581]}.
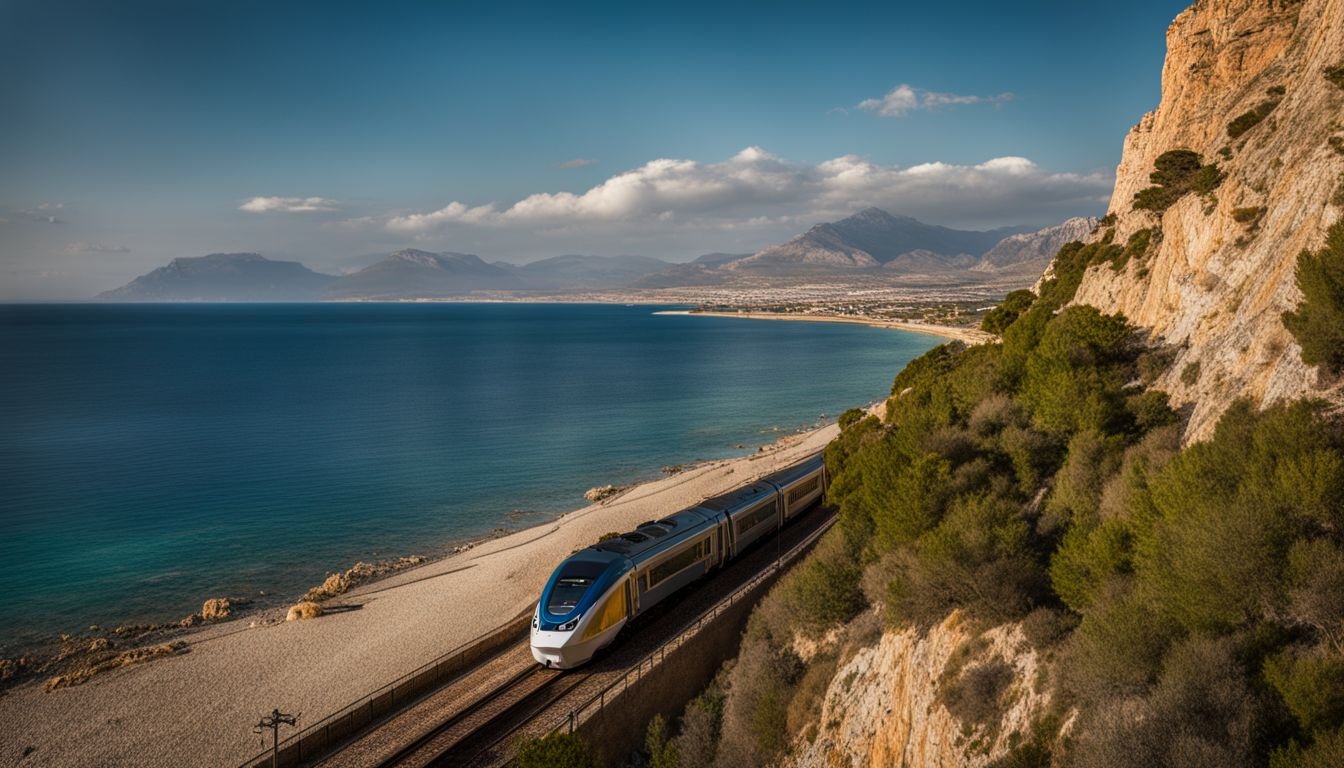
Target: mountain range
{"type": "Point", "coordinates": [871, 242]}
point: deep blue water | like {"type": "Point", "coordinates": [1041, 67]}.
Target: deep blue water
{"type": "Point", "coordinates": [155, 455]}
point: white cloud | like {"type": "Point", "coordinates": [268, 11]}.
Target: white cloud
{"type": "Point", "coordinates": [756, 186]}
{"type": "Point", "coordinates": [904, 99]}
{"type": "Point", "coordinates": [289, 205]}
{"type": "Point", "coordinates": [578, 162]}
{"type": "Point", "coordinates": [75, 249]}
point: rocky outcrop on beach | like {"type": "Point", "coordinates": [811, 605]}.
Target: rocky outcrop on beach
{"type": "Point", "coordinates": [306, 609]}
{"type": "Point", "coordinates": [359, 573]}
{"type": "Point", "coordinates": [602, 493]}
{"type": "Point", "coordinates": [1245, 86]}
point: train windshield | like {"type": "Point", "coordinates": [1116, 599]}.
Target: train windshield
{"type": "Point", "coordinates": [574, 579]}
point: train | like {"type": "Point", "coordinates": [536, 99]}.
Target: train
{"type": "Point", "coordinates": [596, 591]}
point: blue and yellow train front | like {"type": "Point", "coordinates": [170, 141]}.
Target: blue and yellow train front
{"type": "Point", "coordinates": [583, 607]}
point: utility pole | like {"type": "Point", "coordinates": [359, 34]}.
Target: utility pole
{"type": "Point", "coordinates": [273, 722]}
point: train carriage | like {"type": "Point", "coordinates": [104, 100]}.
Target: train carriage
{"type": "Point", "coordinates": [747, 515]}
{"type": "Point", "coordinates": [593, 594]}
{"type": "Point", "coordinates": [799, 486]}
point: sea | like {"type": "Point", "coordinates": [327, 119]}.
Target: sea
{"type": "Point", "coordinates": [153, 456]}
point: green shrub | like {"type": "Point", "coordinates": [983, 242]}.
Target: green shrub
{"type": "Point", "coordinates": [1118, 648]}
{"type": "Point", "coordinates": [1318, 322]}
{"type": "Point", "coordinates": [1150, 410]}
{"type": "Point", "coordinates": [1002, 316]}
{"type": "Point", "coordinates": [1135, 248]}
{"type": "Point", "coordinates": [1087, 561]}
{"type": "Point", "coordinates": [851, 417]}
{"type": "Point", "coordinates": [755, 710]}
{"type": "Point", "coordinates": [662, 752]}
{"type": "Point", "coordinates": [701, 725]}
{"type": "Point", "coordinates": [1203, 713]}
{"type": "Point", "coordinates": [824, 590]}
{"type": "Point", "coordinates": [1327, 751]}
{"type": "Point", "coordinates": [1076, 496]}
{"type": "Point", "coordinates": [1248, 120]}
{"type": "Point", "coordinates": [557, 750]}
{"type": "Point", "coordinates": [1075, 377]}
{"type": "Point", "coordinates": [979, 558]}
{"type": "Point", "coordinates": [1316, 588]}
{"type": "Point", "coordinates": [1178, 172]}
{"type": "Point", "coordinates": [1227, 510]}
{"type": "Point", "coordinates": [1311, 683]}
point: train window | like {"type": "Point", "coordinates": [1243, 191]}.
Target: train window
{"type": "Point", "coordinates": [755, 517]}
{"type": "Point", "coordinates": [571, 583]}
{"type": "Point", "coordinates": [804, 489]}
{"type": "Point", "coordinates": [678, 563]}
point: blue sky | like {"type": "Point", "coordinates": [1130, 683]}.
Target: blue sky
{"type": "Point", "coordinates": [136, 132]}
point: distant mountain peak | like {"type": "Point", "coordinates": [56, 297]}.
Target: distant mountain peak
{"type": "Point", "coordinates": [873, 238]}
{"type": "Point", "coordinates": [224, 277]}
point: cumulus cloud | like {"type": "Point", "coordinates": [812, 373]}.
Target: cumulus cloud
{"type": "Point", "coordinates": [577, 162]}
{"type": "Point", "coordinates": [757, 186]}
{"type": "Point", "coordinates": [289, 205]}
{"type": "Point", "coordinates": [75, 249]}
{"type": "Point", "coordinates": [904, 99]}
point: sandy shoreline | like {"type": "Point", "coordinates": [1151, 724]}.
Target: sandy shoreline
{"type": "Point", "coordinates": [968, 335]}
{"type": "Point", "coordinates": [198, 708]}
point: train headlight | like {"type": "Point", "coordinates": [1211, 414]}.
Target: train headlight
{"type": "Point", "coordinates": [568, 626]}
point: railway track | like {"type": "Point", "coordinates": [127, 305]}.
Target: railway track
{"type": "Point", "coordinates": [472, 733]}
{"type": "Point", "coordinates": [473, 722]}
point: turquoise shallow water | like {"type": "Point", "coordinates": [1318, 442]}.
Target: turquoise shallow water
{"type": "Point", "coordinates": [155, 455]}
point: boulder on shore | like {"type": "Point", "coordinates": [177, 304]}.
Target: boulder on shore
{"type": "Point", "coordinates": [601, 492]}
{"type": "Point", "coordinates": [304, 610]}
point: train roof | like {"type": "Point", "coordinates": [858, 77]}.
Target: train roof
{"type": "Point", "coordinates": [649, 536]}
{"type": "Point", "coordinates": [735, 500]}
{"type": "Point", "coordinates": [801, 469]}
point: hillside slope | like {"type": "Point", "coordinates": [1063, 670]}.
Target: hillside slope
{"type": "Point", "coordinates": [1217, 283]}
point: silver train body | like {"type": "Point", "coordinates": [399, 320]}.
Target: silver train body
{"type": "Point", "coordinates": [596, 591]}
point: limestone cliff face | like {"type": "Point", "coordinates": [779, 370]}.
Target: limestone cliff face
{"type": "Point", "coordinates": [882, 706]}
{"type": "Point", "coordinates": [1215, 286]}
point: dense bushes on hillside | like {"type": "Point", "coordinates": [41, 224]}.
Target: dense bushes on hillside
{"type": "Point", "coordinates": [1318, 322]}
{"type": "Point", "coordinates": [1193, 598]}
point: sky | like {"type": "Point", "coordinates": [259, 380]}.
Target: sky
{"type": "Point", "coordinates": [331, 133]}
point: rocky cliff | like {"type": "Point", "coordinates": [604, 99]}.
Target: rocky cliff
{"type": "Point", "coordinates": [891, 703]}
{"type": "Point", "coordinates": [1244, 85]}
